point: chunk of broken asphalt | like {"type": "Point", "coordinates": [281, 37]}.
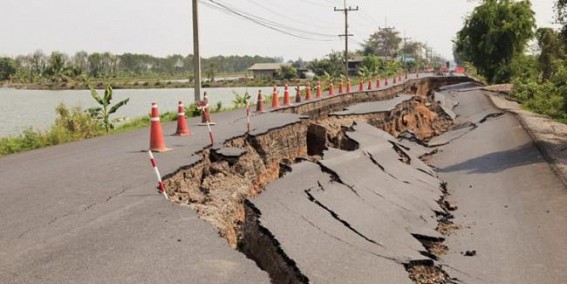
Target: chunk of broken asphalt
{"type": "Point", "coordinates": [470, 253]}
{"type": "Point", "coordinates": [451, 205]}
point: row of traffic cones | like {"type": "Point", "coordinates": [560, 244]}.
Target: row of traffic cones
{"type": "Point", "coordinates": [318, 90]}
{"type": "Point", "coordinates": [157, 143]}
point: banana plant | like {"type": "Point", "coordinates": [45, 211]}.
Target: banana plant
{"type": "Point", "coordinates": [103, 112]}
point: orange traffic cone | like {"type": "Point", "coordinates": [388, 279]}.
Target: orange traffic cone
{"type": "Point", "coordinates": [361, 85]}
{"type": "Point", "coordinates": [157, 144]}
{"type": "Point", "coordinates": [260, 102]}
{"type": "Point", "coordinates": [341, 87]}
{"type": "Point", "coordinates": [297, 94]}
{"type": "Point", "coordinates": [319, 91]}
{"type": "Point", "coordinates": [378, 83]}
{"type": "Point", "coordinates": [286, 101]}
{"type": "Point", "coordinates": [275, 99]}
{"type": "Point", "coordinates": [308, 92]}
{"type": "Point", "coordinates": [348, 86]}
{"type": "Point", "coordinates": [203, 105]}
{"type": "Point", "coordinates": [331, 89]}
{"type": "Point", "coordinates": [182, 127]}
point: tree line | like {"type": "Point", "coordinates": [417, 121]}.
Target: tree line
{"type": "Point", "coordinates": [385, 52]}
{"type": "Point", "coordinates": [496, 40]}
{"type": "Point", "coordinates": [58, 66]}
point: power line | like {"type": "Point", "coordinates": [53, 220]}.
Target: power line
{"type": "Point", "coordinates": [286, 15]}
{"type": "Point", "coordinates": [285, 29]}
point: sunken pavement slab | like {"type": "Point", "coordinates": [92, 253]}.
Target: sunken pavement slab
{"type": "Point", "coordinates": [357, 214]}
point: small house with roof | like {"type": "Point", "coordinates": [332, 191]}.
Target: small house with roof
{"type": "Point", "coordinates": [265, 70]}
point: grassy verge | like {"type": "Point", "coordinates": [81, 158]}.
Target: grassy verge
{"type": "Point", "coordinates": [74, 124]}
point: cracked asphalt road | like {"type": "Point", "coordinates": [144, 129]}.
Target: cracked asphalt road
{"type": "Point", "coordinates": [512, 208]}
{"type": "Point", "coordinates": [88, 212]}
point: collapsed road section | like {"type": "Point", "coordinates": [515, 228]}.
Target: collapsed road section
{"type": "Point", "coordinates": [333, 191]}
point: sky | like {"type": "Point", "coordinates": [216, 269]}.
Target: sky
{"type": "Point", "coordinates": [162, 28]}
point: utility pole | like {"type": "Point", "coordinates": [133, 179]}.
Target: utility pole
{"type": "Point", "coordinates": [346, 34]}
{"type": "Point", "coordinates": [196, 53]}
{"type": "Point", "coordinates": [388, 29]}
{"type": "Point", "coordinates": [404, 39]}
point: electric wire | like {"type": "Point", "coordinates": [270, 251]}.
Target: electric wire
{"type": "Point", "coordinates": [285, 29]}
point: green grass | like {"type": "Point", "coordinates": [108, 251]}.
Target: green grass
{"type": "Point", "coordinates": [75, 124]}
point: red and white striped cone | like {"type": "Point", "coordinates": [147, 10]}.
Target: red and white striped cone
{"type": "Point", "coordinates": [182, 127]}
{"type": "Point", "coordinates": [378, 83]}
{"type": "Point", "coordinates": [160, 185]}
{"type": "Point", "coordinates": [298, 94]}
{"type": "Point", "coordinates": [331, 89]}
{"type": "Point", "coordinates": [308, 92]}
{"type": "Point", "coordinates": [260, 102]}
{"type": "Point", "coordinates": [361, 85]}
{"type": "Point", "coordinates": [341, 87]}
{"type": "Point", "coordinates": [157, 144]}
{"type": "Point", "coordinates": [369, 84]}
{"type": "Point", "coordinates": [348, 86]}
{"type": "Point", "coordinates": [275, 98]}
{"type": "Point", "coordinates": [286, 101]}
{"type": "Point", "coordinates": [319, 92]}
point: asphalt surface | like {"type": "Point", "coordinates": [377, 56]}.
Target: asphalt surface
{"type": "Point", "coordinates": [512, 209]}
{"type": "Point", "coordinates": [351, 217]}
{"type": "Point", "coordinates": [88, 212]}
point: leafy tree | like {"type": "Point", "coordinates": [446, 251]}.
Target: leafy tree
{"type": "Point", "coordinates": [494, 35]}
{"type": "Point", "coordinates": [287, 72]}
{"type": "Point", "coordinates": [384, 42]}
{"type": "Point", "coordinates": [332, 65]}
{"type": "Point", "coordinates": [103, 113]}
{"type": "Point", "coordinates": [8, 68]}
{"type": "Point", "coordinates": [552, 51]}
{"type": "Point", "coordinates": [56, 65]}
{"type": "Point", "coordinates": [561, 17]}
{"type": "Point", "coordinates": [211, 71]}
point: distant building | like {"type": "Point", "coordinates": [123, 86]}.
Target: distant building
{"type": "Point", "coordinates": [265, 70]}
{"type": "Point", "coordinates": [354, 65]}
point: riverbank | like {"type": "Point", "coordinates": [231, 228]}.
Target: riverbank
{"type": "Point", "coordinates": [148, 84]}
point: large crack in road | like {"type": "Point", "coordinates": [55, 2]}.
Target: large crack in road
{"type": "Point", "coordinates": [352, 160]}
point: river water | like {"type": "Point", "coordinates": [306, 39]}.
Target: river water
{"type": "Point", "coordinates": [21, 109]}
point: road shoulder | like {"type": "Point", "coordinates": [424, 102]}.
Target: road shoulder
{"type": "Point", "coordinates": [549, 136]}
